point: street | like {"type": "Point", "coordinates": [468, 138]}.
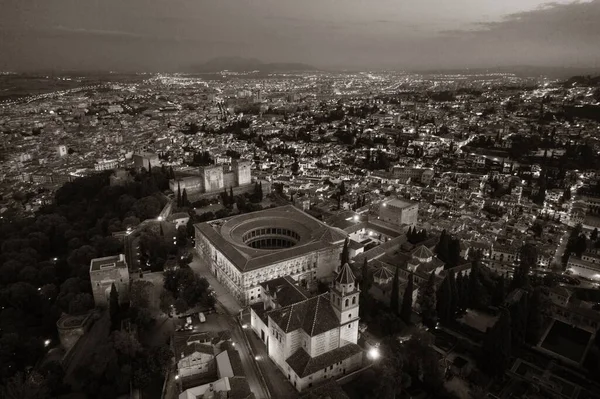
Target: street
{"type": "Point", "coordinates": [226, 319]}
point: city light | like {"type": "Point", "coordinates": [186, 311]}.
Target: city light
{"type": "Point", "coordinates": [244, 326]}
{"type": "Point", "coordinates": [47, 343]}
{"type": "Point", "coordinates": [374, 353]}
{"type": "Point", "coordinates": [256, 357]}
{"type": "Point", "coordinates": [177, 377]}
{"type": "Point", "coordinates": [160, 218]}
{"type": "Point", "coordinates": [356, 218]}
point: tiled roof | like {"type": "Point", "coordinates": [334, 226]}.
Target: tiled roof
{"type": "Point", "coordinates": [345, 276]}
{"type": "Point", "coordinates": [331, 390]}
{"type": "Point", "coordinates": [286, 291]}
{"type": "Point", "coordinates": [422, 252]}
{"type": "Point", "coordinates": [314, 315]}
{"type": "Point", "coordinates": [226, 235]}
{"type": "Point", "coordinates": [240, 388]}
{"type": "Point", "coordinates": [383, 273]}
{"type": "Point", "coordinates": [304, 365]}
{"type": "Point", "coordinates": [187, 350]}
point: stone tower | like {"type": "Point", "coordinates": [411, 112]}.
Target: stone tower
{"type": "Point", "coordinates": [344, 297]}
{"type": "Point", "coordinates": [242, 172]}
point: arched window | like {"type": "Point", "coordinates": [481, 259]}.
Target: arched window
{"type": "Point", "coordinates": [354, 300]}
{"type": "Point", "coordinates": [346, 302]}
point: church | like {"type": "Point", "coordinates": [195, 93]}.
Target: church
{"type": "Point", "coordinates": [312, 339]}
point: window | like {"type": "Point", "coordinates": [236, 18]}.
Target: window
{"type": "Point", "coordinates": [258, 296]}
{"type": "Point", "coordinates": [346, 302]}
{"type": "Point", "coordinates": [350, 325]}
{"type": "Point", "coordinates": [354, 300]}
{"type": "Point", "coordinates": [349, 315]}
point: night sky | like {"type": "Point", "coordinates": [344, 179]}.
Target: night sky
{"type": "Point", "coordinates": [172, 35]}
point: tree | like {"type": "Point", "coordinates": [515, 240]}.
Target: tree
{"type": "Point", "coordinates": [527, 260]}
{"type": "Point", "coordinates": [295, 167]}
{"type": "Point", "coordinates": [81, 303]}
{"type": "Point", "coordinates": [345, 255]}
{"type": "Point", "coordinates": [395, 295]}
{"type": "Point", "coordinates": [407, 301]}
{"type": "Point", "coordinates": [182, 235]}
{"type": "Point", "coordinates": [114, 306]}
{"type": "Point", "coordinates": [444, 301]}
{"type": "Point", "coordinates": [453, 252]}
{"type": "Point", "coordinates": [140, 293]}
{"type": "Point", "coordinates": [442, 248]}
{"type": "Point", "coordinates": [167, 301]}
{"type": "Point", "coordinates": [518, 316]}
{"type": "Point", "coordinates": [594, 234]}
{"type": "Point", "coordinates": [21, 386]}
{"type": "Point", "coordinates": [499, 292]}
{"type": "Point", "coordinates": [179, 204]}
{"type": "Point", "coordinates": [497, 346]}
{"type": "Point", "coordinates": [454, 295]}
{"type": "Point", "coordinates": [535, 317]}
{"type": "Point", "coordinates": [477, 294]}
{"type": "Point", "coordinates": [427, 302]}
{"type": "Point", "coordinates": [364, 275]}
{"type": "Point", "coordinates": [342, 188]}
{"type": "Point", "coordinates": [184, 198]}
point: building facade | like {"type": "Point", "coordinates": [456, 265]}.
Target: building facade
{"type": "Point", "coordinates": [399, 212]}
{"type": "Point", "coordinates": [310, 339]}
{"type": "Point", "coordinates": [215, 178]}
{"type": "Point", "coordinates": [246, 250]}
{"type": "Point", "coordinates": [104, 272]}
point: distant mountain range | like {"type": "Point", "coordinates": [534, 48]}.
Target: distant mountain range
{"type": "Point", "coordinates": [240, 64]}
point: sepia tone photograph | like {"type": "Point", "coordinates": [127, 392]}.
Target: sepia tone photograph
{"type": "Point", "coordinates": [299, 199]}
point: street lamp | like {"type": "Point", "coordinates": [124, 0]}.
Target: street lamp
{"type": "Point", "coordinates": [160, 218]}
{"type": "Point", "coordinates": [374, 353]}
{"type": "Point", "coordinates": [47, 343]}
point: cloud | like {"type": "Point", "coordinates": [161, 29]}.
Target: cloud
{"type": "Point", "coordinates": [577, 20]}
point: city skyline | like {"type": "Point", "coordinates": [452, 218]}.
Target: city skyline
{"type": "Point", "coordinates": [175, 36]}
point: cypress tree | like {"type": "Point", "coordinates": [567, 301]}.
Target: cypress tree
{"type": "Point", "coordinates": [454, 298]}
{"type": "Point", "coordinates": [394, 298]}
{"type": "Point", "coordinates": [518, 317]}
{"type": "Point", "coordinates": [114, 306]}
{"type": "Point", "coordinates": [149, 168]}
{"type": "Point", "coordinates": [499, 291]}
{"type": "Point", "coordinates": [427, 302]}
{"type": "Point", "coordinates": [459, 292]}
{"type": "Point", "coordinates": [453, 252]}
{"type": "Point", "coordinates": [407, 300]}
{"type": "Point", "coordinates": [231, 199]}
{"type": "Point", "coordinates": [496, 347]}
{"type": "Point", "coordinates": [184, 198]}
{"type": "Point", "coordinates": [178, 195]}
{"type": "Point", "coordinates": [345, 256]}
{"type": "Point", "coordinates": [535, 317]}
{"type": "Point", "coordinates": [444, 302]}
{"type": "Point", "coordinates": [365, 280]}
{"type": "Point", "coordinates": [594, 234]}
{"type": "Point", "coordinates": [442, 247]}
{"type": "Point", "coordinates": [171, 172]}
